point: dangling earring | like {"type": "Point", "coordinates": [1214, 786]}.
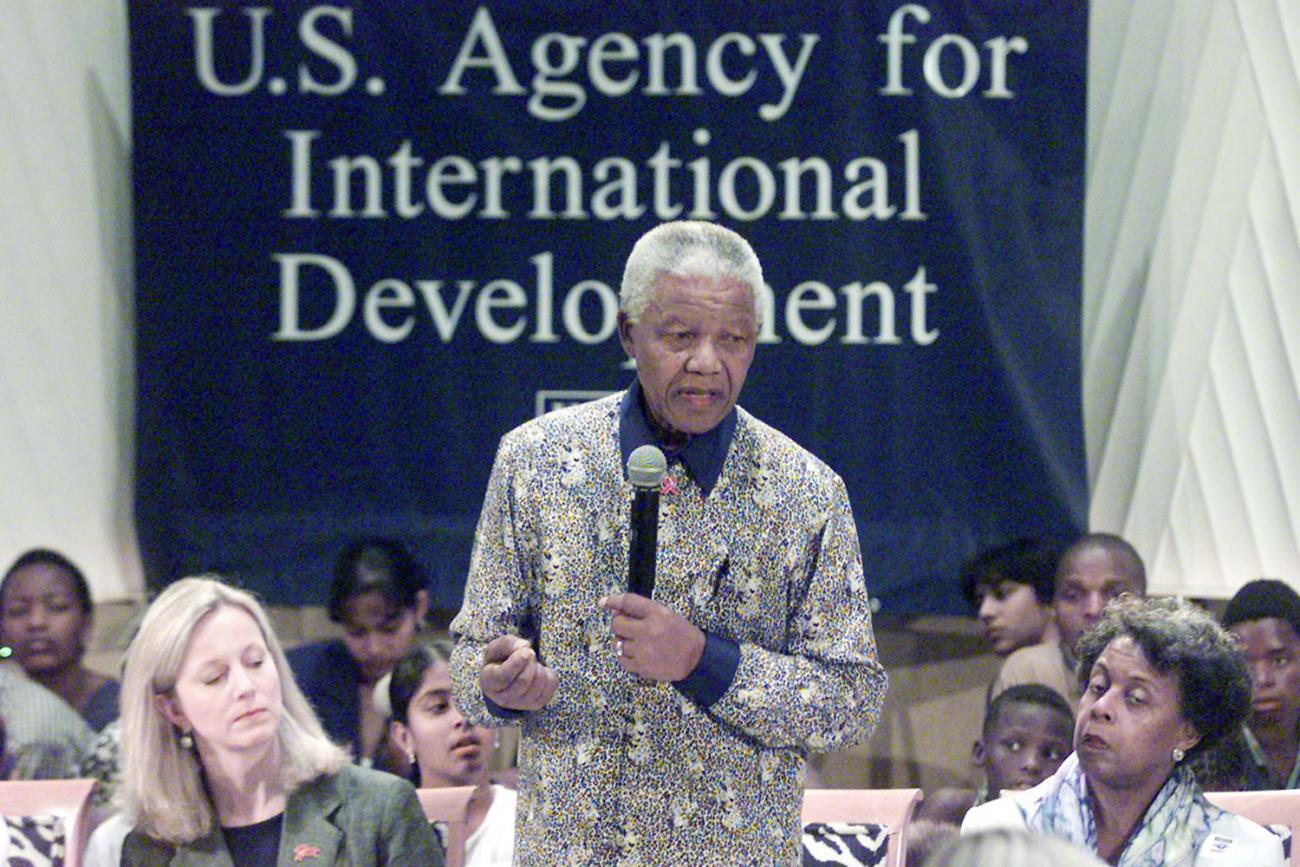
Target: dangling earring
{"type": "Point", "coordinates": [187, 742]}
{"type": "Point", "coordinates": [1178, 755]}
{"type": "Point", "coordinates": [410, 757]}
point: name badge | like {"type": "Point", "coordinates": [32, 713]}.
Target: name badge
{"type": "Point", "coordinates": [1219, 845]}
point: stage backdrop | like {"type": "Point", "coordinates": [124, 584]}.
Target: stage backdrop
{"type": "Point", "coordinates": [372, 239]}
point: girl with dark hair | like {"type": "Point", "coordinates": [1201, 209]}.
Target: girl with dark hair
{"type": "Point", "coordinates": [444, 749]}
{"type": "Point", "coordinates": [379, 597]}
{"type": "Point", "coordinates": [47, 618]}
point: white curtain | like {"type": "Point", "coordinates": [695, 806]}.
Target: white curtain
{"type": "Point", "coordinates": [1192, 287]}
{"type": "Point", "coordinates": [65, 288]}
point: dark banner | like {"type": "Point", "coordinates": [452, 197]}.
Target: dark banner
{"type": "Point", "coordinates": [372, 238]}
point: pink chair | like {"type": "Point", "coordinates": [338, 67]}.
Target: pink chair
{"type": "Point", "coordinates": [451, 807]}
{"type": "Point", "coordinates": [892, 808]}
{"type": "Point", "coordinates": [70, 798]}
{"type": "Point", "coordinates": [1265, 808]}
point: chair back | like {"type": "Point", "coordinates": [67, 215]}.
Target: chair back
{"type": "Point", "coordinates": [451, 807]}
{"type": "Point", "coordinates": [68, 798]}
{"type": "Point", "coordinates": [1266, 808]}
{"type": "Point", "coordinates": [892, 808]}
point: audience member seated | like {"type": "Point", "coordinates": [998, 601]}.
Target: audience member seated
{"type": "Point", "coordinates": [445, 750]}
{"type": "Point", "coordinates": [379, 596]}
{"type": "Point", "coordinates": [223, 761]}
{"type": "Point", "coordinates": [1091, 572]}
{"type": "Point", "coordinates": [1011, 848]}
{"type": "Point", "coordinates": [1010, 587]}
{"type": "Point", "coordinates": [1161, 682]}
{"type": "Point", "coordinates": [47, 618]}
{"type": "Point", "coordinates": [45, 737]}
{"type": "Point", "coordinates": [1264, 617]}
{"type": "Point", "coordinates": [1028, 732]}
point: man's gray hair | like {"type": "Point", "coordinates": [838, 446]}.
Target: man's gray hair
{"type": "Point", "coordinates": [688, 248]}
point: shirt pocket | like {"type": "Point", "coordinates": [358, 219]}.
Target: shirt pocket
{"type": "Point", "coordinates": [740, 595]}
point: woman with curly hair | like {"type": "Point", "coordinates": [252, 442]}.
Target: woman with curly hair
{"type": "Point", "coordinates": [1161, 682]}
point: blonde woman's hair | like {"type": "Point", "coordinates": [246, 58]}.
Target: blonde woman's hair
{"type": "Point", "coordinates": [1010, 848]}
{"type": "Point", "coordinates": [162, 784]}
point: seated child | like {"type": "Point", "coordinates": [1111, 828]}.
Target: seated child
{"type": "Point", "coordinates": [444, 749]}
{"type": "Point", "coordinates": [1028, 731]}
{"type": "Point", "coordinates": [1010, 587]}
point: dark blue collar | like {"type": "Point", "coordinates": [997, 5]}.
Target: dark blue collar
{"type": "Point", "coordinates": [703, 454]}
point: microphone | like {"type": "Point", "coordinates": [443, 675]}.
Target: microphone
{"type": "Point", "coordinates": [646, 467]}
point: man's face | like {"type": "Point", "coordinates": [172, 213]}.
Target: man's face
{"type": "Point", "coordinates": [1272, 651]}
{"type": "Point", "coordinates": [1089, 578]}
{"type": "Point", "coordinates": [693, 346]}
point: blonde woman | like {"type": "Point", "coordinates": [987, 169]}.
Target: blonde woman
{"type": "Point", "coordinates": [224, 761]}
{"type": "Point", "coordinates": [1010, 848]}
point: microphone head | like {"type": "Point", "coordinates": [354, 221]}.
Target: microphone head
{"type": "Point", "coordinates": [646, 467]}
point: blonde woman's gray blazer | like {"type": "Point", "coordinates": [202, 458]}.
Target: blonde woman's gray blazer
{"type": "Point", "coordinates": [357, 817]}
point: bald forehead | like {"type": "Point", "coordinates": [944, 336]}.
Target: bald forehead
{"type": "Point", "coordinates": [1101, 563]}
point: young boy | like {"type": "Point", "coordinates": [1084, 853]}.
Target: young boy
{"type": "Point", "coordinates": [1010, 587]}
{"type": "Point", "coordinates": [1264, 617]}
{"type": "Point", "coordinates": [1028, 731]}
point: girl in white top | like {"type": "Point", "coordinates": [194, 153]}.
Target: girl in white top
{"type": "Point", "coordinates": [445, 750]}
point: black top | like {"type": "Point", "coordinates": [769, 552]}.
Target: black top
{"type": "Point", "coordinates": [329, 677]}
{"type": "Point", "coordinates": [254, 845]}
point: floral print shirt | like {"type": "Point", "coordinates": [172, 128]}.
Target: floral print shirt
{"type": "Point", "coordinates": [616, 770]}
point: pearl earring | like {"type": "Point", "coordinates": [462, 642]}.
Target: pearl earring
{"type": "Point", "coordinates": [187, 742]}
{"type": "Point", "coordinates": [1178, 755]}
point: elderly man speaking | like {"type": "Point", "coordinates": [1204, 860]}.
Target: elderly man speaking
{"type": "Point", "coordinates": [673, 729]}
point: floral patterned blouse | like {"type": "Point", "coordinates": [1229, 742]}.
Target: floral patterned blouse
{"type": "Point", "coordinates": [621, 771]}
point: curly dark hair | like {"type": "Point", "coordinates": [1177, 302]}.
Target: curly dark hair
{"type": "Point", "coordinates": [1182, 640]}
